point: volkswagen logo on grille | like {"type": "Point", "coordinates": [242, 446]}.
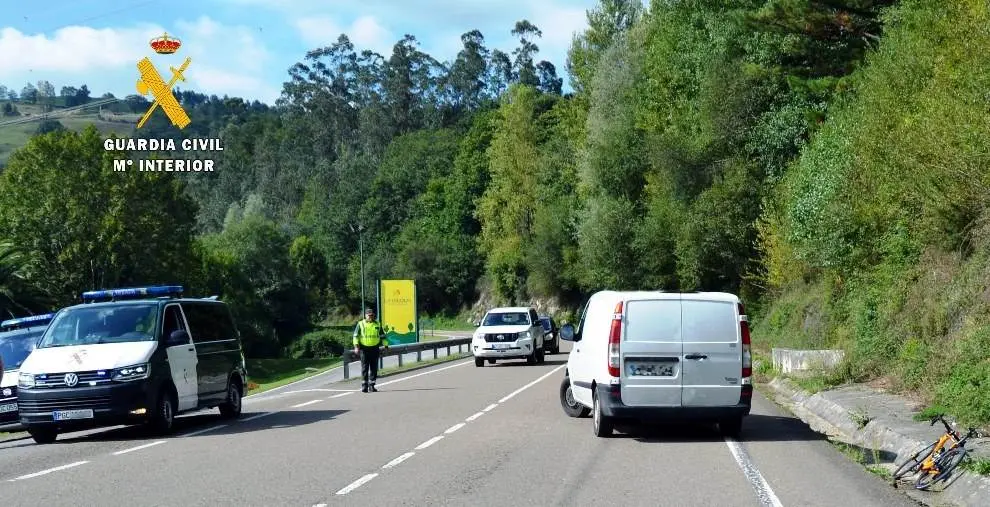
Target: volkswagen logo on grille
{"type": "Point", "coordinates": [7, 392]}
{"type": "Point", "coordinates": [71, 379]}
{"type": "Point", "coordinates": [500, 337]}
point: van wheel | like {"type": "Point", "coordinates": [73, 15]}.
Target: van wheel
{"type": "Point", "coordinates": [231, 407]}
{"type": "Point", "coordinates": [531, 358]}
{"type": "Point", "coordinates": [603, 423]}
{"type": "Point", "coordinates": [731, 427]}
{"type": "Point", "coordinates": [163, 418]}
{"type": "Point", "coordinates": [479, 362]}
{"type": "Point", "coordinates": [43, 435]}
{"type": "Point", "coordinates": [571, 407]}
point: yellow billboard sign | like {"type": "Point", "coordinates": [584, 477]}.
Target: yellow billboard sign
{"type": "Point", "coordinates": [397, 301]}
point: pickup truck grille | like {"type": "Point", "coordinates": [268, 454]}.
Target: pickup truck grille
{"type": "Point", "coordinates": [501, 337]}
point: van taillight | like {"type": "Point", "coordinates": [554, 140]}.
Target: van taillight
{"type": "Point", "coordinates": [613, 341]}
{"type": "Point", "coordinates": [747, 358]}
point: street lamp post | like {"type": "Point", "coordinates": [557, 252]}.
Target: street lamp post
{"type": "Point", "coordinates": [359, 229]}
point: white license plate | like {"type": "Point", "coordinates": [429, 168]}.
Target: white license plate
{"type": "Point", "coordinates": [8, 407]}
{"type": "Point", "coordinates": [650, 368]}
{"type": "Point", "coordinates": [65, 415]}
{"type": "Point", "coordinates": [502, 345]}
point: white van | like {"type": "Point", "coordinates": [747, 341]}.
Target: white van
{"type": "Point", "coordinates": [131, 355]}
{"type": "Point", "coordinates": [659, 355]}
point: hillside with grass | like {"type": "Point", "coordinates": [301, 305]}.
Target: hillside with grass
{"type": "Point", "coordinates": [14, 136]}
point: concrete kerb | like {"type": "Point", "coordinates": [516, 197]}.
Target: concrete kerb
{"type": "Point", "coordinates": [835, 419]}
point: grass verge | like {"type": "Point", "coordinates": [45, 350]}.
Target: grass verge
{"type": "Point", "coordinates": [869, 458]}
{"type": "Point", "coordinates": [265, 374]}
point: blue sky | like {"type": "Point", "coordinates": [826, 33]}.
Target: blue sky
{"type": "Point", "coordinates": [244, 47]}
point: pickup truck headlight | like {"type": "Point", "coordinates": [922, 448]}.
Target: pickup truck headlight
{"type": "Point", "coordinates": [25, 380]}
{"type": "Point", "coordinates": [525, 335]}
{"type": "Point", "coordinates": [135, 372]}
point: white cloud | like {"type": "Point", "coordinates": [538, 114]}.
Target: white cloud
{"type": "Point", "coordinates": [235, 84]}
{"type": "Point", "coordinates": [73, 49]}
{"type": "Point", "coordinates": [558, 24]}
{"type": "Point", "coordinates": [365, 32]}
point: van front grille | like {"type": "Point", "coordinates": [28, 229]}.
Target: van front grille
{"type": "Point", "coordinates": [501, 337]}
{"type": "Point", "coordinates": [35, 406]}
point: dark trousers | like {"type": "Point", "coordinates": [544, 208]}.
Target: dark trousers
{"type": "Point", "coordinates": [369, 366]}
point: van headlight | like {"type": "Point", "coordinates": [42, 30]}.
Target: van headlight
{"type": "Point", "coordinates": [135, 372]}
{"type": "Point", "coordinates": [25, 380]}
{"type": "Point", "coordinates": [525, 335]}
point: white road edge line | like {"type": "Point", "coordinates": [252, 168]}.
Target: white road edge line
{"type": "Point", "coordinates": [454, 428]}
{"type": "Point", "coordinates": [429, 442]}
{"type": "Point", "coordinates": [320, 505]}
{"type": "Point", "coordinates": [430, 372]}
{"type": "Point", "coordinates": [50, 470]}
{"type": "Point", "coordinates": [475, 416]}
{"type": "Point", "coordinates": [320, 391]}
{"type": "Point", "coordinates": [490, 407]}
{"type": "Point", "coordinates": [138, 448]}
{"type": "Point", "coordinates": [398, 460]}
{"type": "Point", "coordinates": [356, 484]}
{"type": "Point", "coordinates": [763, 492]}
{"type": "Point", "coordinates": [303, 404]}
{"type": "Point", "coordinates": [531, 384]}
{"type": "Point", "coordinates": [200, 432]}
{"type": "Point", "coordinates": [342, 394]}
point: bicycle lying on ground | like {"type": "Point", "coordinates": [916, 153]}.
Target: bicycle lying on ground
{"type": "Point", "coordinates": [938, 460]}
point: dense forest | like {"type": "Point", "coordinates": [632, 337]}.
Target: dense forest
{"type": "Point", "coordinates": [824, 159]}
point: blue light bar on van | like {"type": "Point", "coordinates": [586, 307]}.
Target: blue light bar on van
{"type": "Point", "coordinates": [34, 320]}
{"type": "Point", "coordinates": [135, 293]}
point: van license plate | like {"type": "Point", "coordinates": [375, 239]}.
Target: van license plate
{"type": "Point", "coordinates": [501, 345]}
{"type": "Point", "coordinates": [7, 408]}
{"type": "Point", "coordinates": [65, 415]}
{"type": "Point", "coordinates": [650, 368]}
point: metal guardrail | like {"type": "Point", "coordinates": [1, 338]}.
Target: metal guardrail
{"type": "Point", "coordinates": [408, 348]}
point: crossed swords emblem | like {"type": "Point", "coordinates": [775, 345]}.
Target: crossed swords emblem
{"type": "Point", "coordinates": [152, 81]}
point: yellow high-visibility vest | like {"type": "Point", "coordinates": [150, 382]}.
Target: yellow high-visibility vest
{"type": "Point", "coordinates": [368, 334]}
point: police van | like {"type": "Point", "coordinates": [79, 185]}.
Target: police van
{"type": "Point", "coordinates": [18, 337]}
{"type": "Point", "coordinates": [135, 355]}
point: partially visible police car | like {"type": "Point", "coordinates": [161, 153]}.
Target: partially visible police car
{"type": "Point", "coordinates": [132, 355]}
{"type": "Point", "coordinates": [18, 337]}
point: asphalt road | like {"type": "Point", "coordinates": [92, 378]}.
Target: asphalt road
{"type": "Point", "coordinates": [452, 434]}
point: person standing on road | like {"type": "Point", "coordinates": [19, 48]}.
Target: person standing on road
{"type": "Point", "coordinates": [368, 337]}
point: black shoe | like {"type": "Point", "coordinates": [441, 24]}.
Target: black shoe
{"type": "Point", "coordinates": [364, 389]}
{"type": "Point", "coordinates": [373, 389]}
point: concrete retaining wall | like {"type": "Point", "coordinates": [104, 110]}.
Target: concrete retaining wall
{"type": "Point", "coordinates": [793, 361]}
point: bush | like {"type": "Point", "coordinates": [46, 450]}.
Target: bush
{"type": "Point", "coordinates": [322, 343]}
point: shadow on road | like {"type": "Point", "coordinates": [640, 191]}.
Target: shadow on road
{"type": "Point", "coordinates": [195, 422]}
{"type": "Point", "coordinates": [388, 390]}
{"type": "Point", "coordinates": [756, 428]}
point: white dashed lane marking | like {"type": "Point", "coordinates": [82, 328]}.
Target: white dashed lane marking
{"type": "Point", "coordinates": [391, 464]}
{"type": "Point", "coordinates": [138, 448]}
{"type": "Point", "coordinates": [50, 470]}
{"type": "Point", "coordinates": [306, 403]}
{"type": "Point", "coordinates": [206, 430]}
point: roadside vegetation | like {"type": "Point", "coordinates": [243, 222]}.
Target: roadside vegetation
{"type": "Point", "coordinates": [824, 160]}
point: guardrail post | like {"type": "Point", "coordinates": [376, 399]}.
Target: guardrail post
{"type": "Point", "coordinates": [419, 355]}
{"type": "Point", "coordinates": [400, 358]}
{"type": "Point", "coordinates": [458, 348]}
{"type": "Point", "coordinates": [448, 350]}
{"type": "Point", "coordinates": [381, 362]}
{"type": "Point", "coordinates": [347, 361]}
{"type": "Point", "coordinates": [434, 352]}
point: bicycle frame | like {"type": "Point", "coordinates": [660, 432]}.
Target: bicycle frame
{"type": "Point", "coordinates": [929, 464]}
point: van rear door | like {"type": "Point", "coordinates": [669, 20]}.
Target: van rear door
{"type": "Point", "coordinates": [712, 361]}
{"type": "Point", "coordinates": [650, 352]}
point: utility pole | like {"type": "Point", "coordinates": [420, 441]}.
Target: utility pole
{"type": "Point", "coordinates": [359, 230]}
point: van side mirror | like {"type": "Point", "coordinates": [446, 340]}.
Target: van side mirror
{"type": "Point", "coordinates": [567, 333]}
{"type": "Point", "coordinates": [477, 323]}
{"type": "Point", "coordinates": [179, 337]}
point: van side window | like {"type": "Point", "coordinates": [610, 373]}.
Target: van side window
{"type": "Point", "coordinates": [172, 321]}
{"type": "Point", "coordinates": [223, 322]}
{"type": "Point", "coordinates": [584, 317]}
{"type": "Point", "coordinates": [203, 327]}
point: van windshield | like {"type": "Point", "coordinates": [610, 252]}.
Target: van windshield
{"type": "Point", "coordinates": [15, 346]}
{"type": "Point", "coordinates": [507, 319]}
{"type": "Point", "coordinates": [102, 324]}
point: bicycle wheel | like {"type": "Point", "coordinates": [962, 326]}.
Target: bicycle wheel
{"type": "Point", "coordinates": [949, 462]}
{"type": "Point", "coordinates": [912, 464]}
{"type": "Point", "coordinates": [943, 466]}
